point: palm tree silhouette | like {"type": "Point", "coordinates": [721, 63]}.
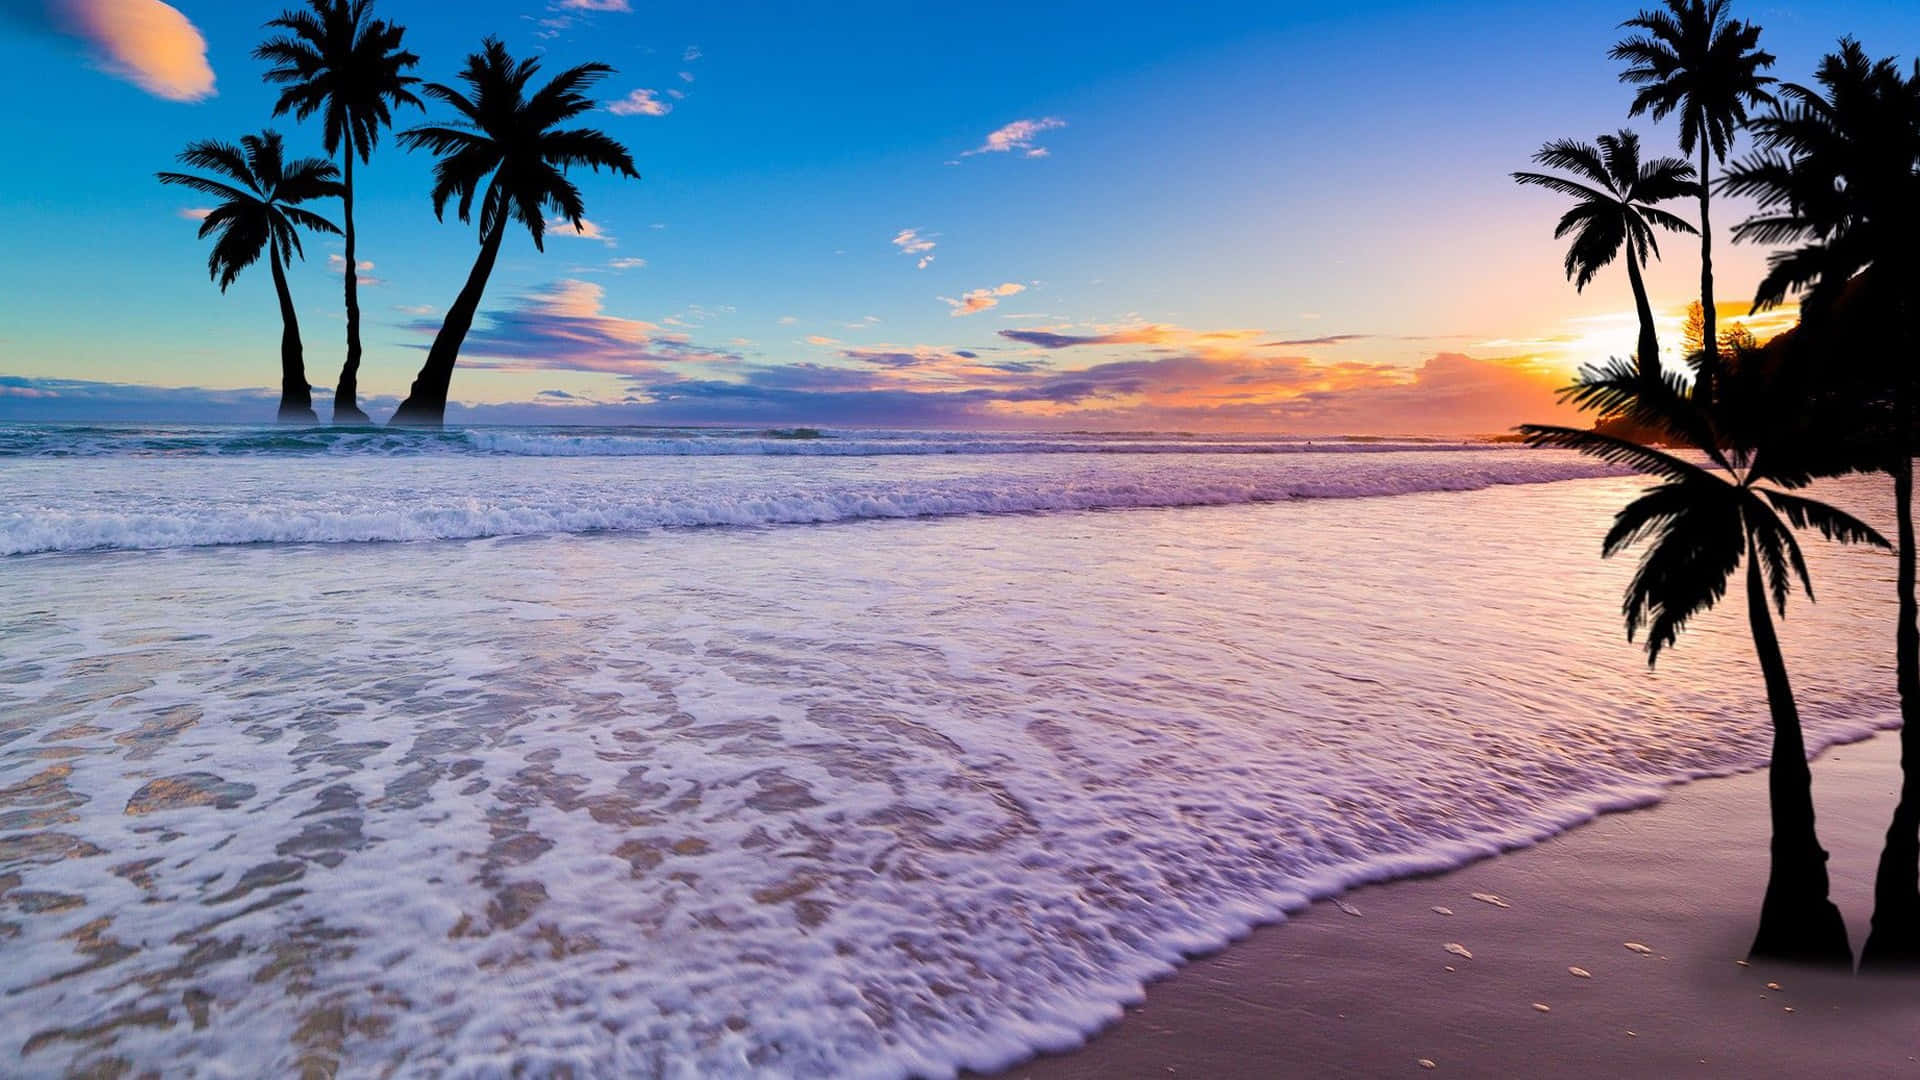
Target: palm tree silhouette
{"type": "Point", "coordinates": [1837, 177]}
{"type": "Point", "coordinates": [504, 149]}
{"type": "Point", "coordinates": [262, 214]}
{"type": "Point", "coordinates": [1692, 59]}
{"type": "Point", "coordinates": [1615, 212]}
{"type": "Point", "coordinates": [1699, 523]}
{"type": "Point", "coordinates": [335, 60]}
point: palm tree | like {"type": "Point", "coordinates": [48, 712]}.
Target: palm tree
{"type": "Point", "coordinates": [262, 214]}
{"type": "Point", "coordinates": [1694, 60]}
{"type": "Point", "coordinates": [1699, 523]}
{"type": "Point", "coordinates": [1615, 212]}
{"type": "Point", "coordinates": [505, 149]}
{"type": "Point", "coordinates": [1837, 177]}
{"type": "Point", "coordinates": [336, 61]}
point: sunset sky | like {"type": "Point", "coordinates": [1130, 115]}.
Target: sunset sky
{"type": "Point", "coordinates": [1211, 216]}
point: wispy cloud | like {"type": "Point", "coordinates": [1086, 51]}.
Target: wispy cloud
{"type": "Point", "coordinates": [196, 213]}
{"type": "Point", "coordinates": [1018, 137]}
{"type": "Point", "coordinates": [693, 53]}
{"type": "Point", "coordinates": [978, 300]}
{"type": "Point", "coordinates": [594, 5]}
{"type": "Point", "coordinates": [147, 43]}
{"type": "Point", "coordinates": [363, 270]}
{"type": "Point", "coordinates": [913, 242]}
{"type": "Point", "coordinates": [1142, 334]}
{"type": "Point", "coordinates": [1326, 339]}
{"type": "Point", "coordinates": [628, 264]}
{"type": "Point", "coordinates": [902, 357]}
{"type": "Point", "coordinates": [563, 327]}
{"type": "Point", "coordinates": [642, 102]}
{"type": "Point", "coordinates": [587, 230]}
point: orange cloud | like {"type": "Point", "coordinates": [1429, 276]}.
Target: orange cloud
{"type": "Point", "coordinates": [145, 42]}
{"type": "Point", "coordinates": [910, 242]}
{"type": "Point", "coordinates": [588, 230]}
{"type": "Point", "coordinates": [981, 299]}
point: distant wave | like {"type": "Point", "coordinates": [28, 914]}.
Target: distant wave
{"type": "Point", "coordinates": [66, 440]}
{"type": "Point", "coordinates": [471, 515]}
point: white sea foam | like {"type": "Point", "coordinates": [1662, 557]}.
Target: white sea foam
{"type": "Point", "coordinates": [877, 799]}
{"type": "Point", "coordinates": [144, 502]}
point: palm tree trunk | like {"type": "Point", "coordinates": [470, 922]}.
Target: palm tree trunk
{"type": "Point", "coordinates": [1797, 921]}
{"type": "Point", "coordinates": [1710, 357]}
{"type": "Point", "coordinates": [296, 397]}
{"type": "Point", "coordinates": [1649, 354]}
{"type": "Point", "coordinates": [1894, 943]}
{"type": "Point", "coordinates": [346, 396]}
{"type": "Point", "coordinates": [426, 403]}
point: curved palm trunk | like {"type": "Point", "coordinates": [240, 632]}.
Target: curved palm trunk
{"type": "Point", "coordinates": [1710, 356]}
{"type": "Point", "coordinates": [346, 396]}
{"type": "Point", "coordinates": [1797, 921]}
{"type": "Point", "coordinates": [296, 398]}
{"type": "Point", "coordinates": [426, 403]}
{"type": "Point", "coordinates": [1649, 353]}
{"type": "Point", "coordinates": [1895, 940]}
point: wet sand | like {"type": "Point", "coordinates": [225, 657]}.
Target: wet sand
{"type": "Point", "coordinates": [1366, 986]}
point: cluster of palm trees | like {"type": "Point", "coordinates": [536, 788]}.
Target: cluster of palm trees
{"type": "Point", "coordinates": [1835, 175]}
{"type": "Point", "coordinates": [504, 147]}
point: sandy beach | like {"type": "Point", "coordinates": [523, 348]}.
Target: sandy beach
{"type": "Point", "coordinates": [1366, 986]}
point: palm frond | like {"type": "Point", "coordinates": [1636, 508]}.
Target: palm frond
{"type": "Point", "coordinates": [1689, 557]}
{"type": "Point", "coordinates": [1577, 157]}
{"type": "Point", "coordinates": [1617, 388]}
{"type": "Point", "coordinates": [206, 187]}
{"type": "Point", "coordinates": [584, 146]}
{"type": "Point", "coordinates": [1562, 186]}
{"type": "Point", "coordinates": [1615, 451]}
{"type": "Point", "coordinates": [1777, 553]}
{"type": "Point", "coordinates": [1831, 522]}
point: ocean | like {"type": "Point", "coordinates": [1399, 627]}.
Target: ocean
{"type": "Point", "coordinates": [506, 751]}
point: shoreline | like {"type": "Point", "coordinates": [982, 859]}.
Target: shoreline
{"type": "Point", "coordinates": [1364, 984]}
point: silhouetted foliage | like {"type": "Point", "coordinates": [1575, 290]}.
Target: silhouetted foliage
{"type": "Point", "coordinates": [1692, 59]}
{"type": "Point", "coordinates": [262, 214]}
{"type": "Point", "coordinates": [506, 150]}
{"type": "Point", "coordinates": [1615, 213]}
{"type": "Point", "coordinates": [1837, 177]}
{"type": "Point", "coordinates": [1698, 524]}
{"type": "Point", "coordinates": [335, 60]}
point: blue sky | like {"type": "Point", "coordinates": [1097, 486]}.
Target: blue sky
{"type": "Point", "coordinates": [1246, 215]}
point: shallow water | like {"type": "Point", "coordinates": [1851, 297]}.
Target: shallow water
{"type": "Point", "coordinates": [863, 798]}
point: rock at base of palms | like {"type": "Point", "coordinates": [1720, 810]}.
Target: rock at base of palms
{"type": "Point", "coordinates": [295, 414]}
{"type": "Point", "coordinates": [350, 415]}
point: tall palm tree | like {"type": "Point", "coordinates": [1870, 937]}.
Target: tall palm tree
{"type": "Point", "coordinates": [506, 149]}
{"type": "Point", "coordinates": [1837, 177]}
{"type": "Point", "coordinates": [1694, 60]}
{"type": "Point", "coordinates": [1615, 212]}
{"type": "Point", "coordinates": [1699, 523]}
{"type": "Point", "coordinates": [262, 214]}
{"type": "Point", "coordinates": [336, 61]}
